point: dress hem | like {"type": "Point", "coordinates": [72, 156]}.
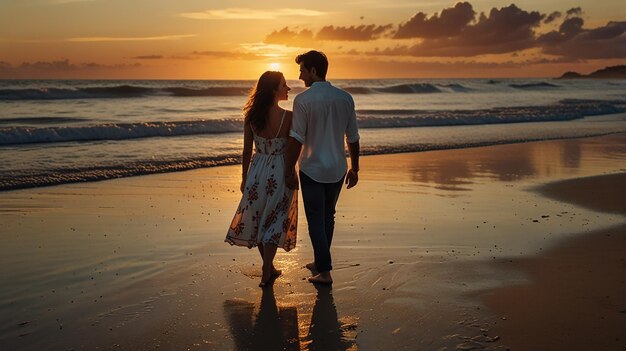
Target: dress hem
{"type": "Point", "coordinates": [250, 244]}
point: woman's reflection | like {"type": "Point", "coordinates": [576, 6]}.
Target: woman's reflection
{"type": "Point", "coordinates": [273, 329]}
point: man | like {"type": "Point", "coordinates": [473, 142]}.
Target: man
{"type": "Point", "coordinates": [322, 116]}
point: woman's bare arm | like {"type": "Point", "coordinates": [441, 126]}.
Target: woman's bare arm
{"type": "Point", "coordinates": [247, 153]}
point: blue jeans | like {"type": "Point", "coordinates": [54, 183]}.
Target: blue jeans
{"type": "Point", "coordinates": [319, 205]}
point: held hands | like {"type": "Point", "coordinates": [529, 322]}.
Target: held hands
{"type": "Point", "coordinates": [291, 180]}
{"type": "Point", "coordinates": [352, 178]}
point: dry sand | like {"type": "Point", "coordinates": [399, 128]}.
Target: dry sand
{"type": "Point", "coordinates": [421, 243]}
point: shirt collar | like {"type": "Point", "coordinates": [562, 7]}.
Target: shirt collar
{"type": "Point", "coordinates": [320, 83]}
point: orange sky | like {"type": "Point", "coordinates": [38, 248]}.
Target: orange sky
{"type": "Point", "coordinates": [200, 39]}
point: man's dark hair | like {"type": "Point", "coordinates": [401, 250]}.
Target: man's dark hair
{"type": "Point", "coordinates": [315, 59]}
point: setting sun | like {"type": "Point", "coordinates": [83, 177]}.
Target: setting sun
{"type": "Point", "coordinates": [275, 66]}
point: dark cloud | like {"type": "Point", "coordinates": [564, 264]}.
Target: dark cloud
{"type": "Point", "coordinates": [572, 40]}
{"type": "Point", "coordinates": [305, 37]}
{"type": "Point", "coordinates": [568, 29]}
{"type": "Point", "coordinates": [288, 37]}
{"type": "Point", "coordinates": [66, 65]}
{"type": "Point", "coordinates": [543, 61]}
{"type": "Point", "coordinates": [571, 26]}
{"type": "Point", "coordinates": [504, 30]}
{"type": "Point", "coordinates": [506, 25]}
{"type": "Point", "coordinates": [574, 11]}
{"type": "Point", "coordinates": [352, 33]}
{"type": "Point", "coordinates": [611, 31]}
{"type": "Point", "coordinates": [63, 65]}
{"type": "Point", "coordinates": [54, 69]}
{"type": "Point", "coordinates": [552, 17]}
{"type": "Point", "coordinates": [449, 23]}
{"type": "Point", "coordinates": [94, 65]}
{"type": "Point", "coordinates": [148, 57]}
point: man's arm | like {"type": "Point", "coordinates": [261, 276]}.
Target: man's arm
{"type": "Point", "coordinates": [352, 178]}
{"type": "Point", "coordinates": [354, 148]}
{"type": "Point", "coordinates": [297, 133]}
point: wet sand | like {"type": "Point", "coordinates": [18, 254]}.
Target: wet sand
{"type": "Point", "coordinates": [575, 298]}
{"type": "Point", "coordinates": [426, 247]}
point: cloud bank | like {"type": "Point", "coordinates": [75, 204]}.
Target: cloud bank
{"type": "Point", "coordinates": [450, 22]}
{"type": "Point", "coordinates": [458, 31]}
{"type": "Point", "coordinates": [56, 68]}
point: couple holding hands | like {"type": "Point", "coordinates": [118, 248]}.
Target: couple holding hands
{"type": "Point", "coordinates": [313, 135]}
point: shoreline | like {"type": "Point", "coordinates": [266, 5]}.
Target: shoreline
{"type": "Point", "coordinates": [140, 263]}
{"type": "Point", "coordinates": [102, 173]}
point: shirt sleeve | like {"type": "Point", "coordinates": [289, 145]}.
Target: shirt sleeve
{"type": "Point", "coordinates": [352, 130]}
{"type": "Point", "coordinates": [298, 122]}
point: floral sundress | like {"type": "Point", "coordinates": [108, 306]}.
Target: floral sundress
{"type": "Point", "coordinates": [268, 210]}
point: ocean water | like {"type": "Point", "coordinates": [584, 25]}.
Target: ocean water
{"type": "Point", "coordinates": [60, 131]}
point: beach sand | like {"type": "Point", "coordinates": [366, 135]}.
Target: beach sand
{"type": "Point", "coordinates": [483, 248]}
{"type": "Point", "coordinates": [576, 295]}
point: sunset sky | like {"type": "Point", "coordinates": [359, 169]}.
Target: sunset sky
{"type": "Point", "coordinates": [200, 39]}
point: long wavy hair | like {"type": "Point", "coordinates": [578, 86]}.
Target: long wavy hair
{"type": "Point", "coordinates": [261, 100]}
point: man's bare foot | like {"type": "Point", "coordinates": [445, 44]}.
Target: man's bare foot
{"type": "Point", "coordinates": [321, 278]}
{"type": "Point", "coordinates": [311, 266]}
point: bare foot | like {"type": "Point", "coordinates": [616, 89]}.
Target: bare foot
{"type": "Point", "coordinates": [266, 278]}
{"type": "Point", "coordinates": [311, 266]}
{"type": "Point", "coordinates": [322, 278]}
{"type": "Point", "coordinates": [276, 273]}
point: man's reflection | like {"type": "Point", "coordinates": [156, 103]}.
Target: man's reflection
{"type": "Point", "coordinates": [325, 331]}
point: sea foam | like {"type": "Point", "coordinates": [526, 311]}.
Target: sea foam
{"type": "Point", "coordinates": [389, 118]}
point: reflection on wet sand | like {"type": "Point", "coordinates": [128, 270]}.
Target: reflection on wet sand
{"type": "Point", "coordinates": [572, 153]}
{"type": "Point", "coordinates": [325, 331]}
{"type": "Point", "coordinates": [453, 173]}
{"type": "Point", "coordinates": [504, 162]}
{"type": "Point", "coordinates": [277, 328]}
{"type": "Point", "coordinates": [464, 166]}
{"type": "Point", "coordinates": [273, 328]}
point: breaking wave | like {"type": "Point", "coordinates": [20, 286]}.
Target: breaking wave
{"type": "Point", "coordinates": [120, 91]}
{"type": "Point", "coordinates": [393, 118]}
{"type": "Point", "coordinates": [132, 91]}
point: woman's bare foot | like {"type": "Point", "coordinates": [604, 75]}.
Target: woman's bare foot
{"type": "Point", "coordinates": [321, 278]}
{"type": "Point", "coordinates": [266, 277]}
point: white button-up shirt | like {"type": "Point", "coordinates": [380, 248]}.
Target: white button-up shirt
{"type": "Point", "coordinates": [322, 115]}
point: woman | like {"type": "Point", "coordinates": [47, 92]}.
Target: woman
{"type": "Point", "coordinates": [267, 215]}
